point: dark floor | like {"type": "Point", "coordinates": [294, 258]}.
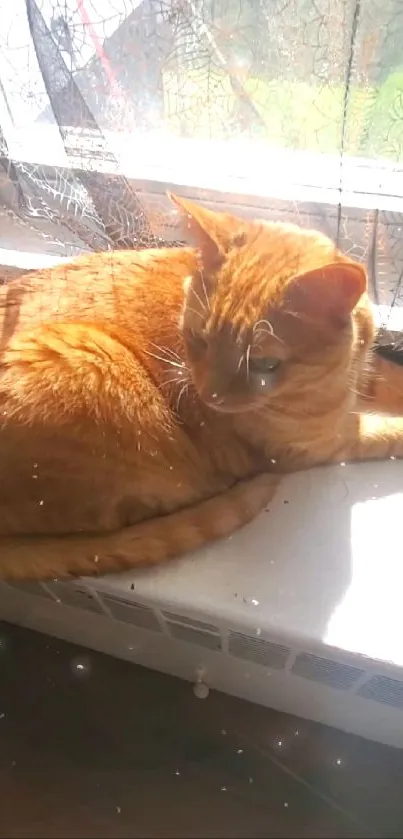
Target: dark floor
{"type": "Point", "coordinates": [95, 747]}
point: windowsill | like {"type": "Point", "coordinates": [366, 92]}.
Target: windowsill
{"type": "Point", "coordinates": [321, 568]}
{"type": "Point", "coordinates": [239, 167]}
{"type": "Point", "coordinates": [311, 592]}
{"type": "Point", "coordinates": [27, 261]}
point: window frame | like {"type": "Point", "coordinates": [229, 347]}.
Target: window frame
{"type": "Point", "coordinates": [357, 195]}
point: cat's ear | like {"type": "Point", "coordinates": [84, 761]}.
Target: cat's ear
{"type": "Point", "coordinates": [211, 232]}
{"type": "Point", "coordinates": [328, 294]}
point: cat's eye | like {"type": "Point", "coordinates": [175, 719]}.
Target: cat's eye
{"type": "Point", "coordinates": [263, 365]}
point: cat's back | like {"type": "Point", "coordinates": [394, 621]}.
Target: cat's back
{"type": "Point", "coordinates": [87, 438]}
{"type": "Point", "coordinates": [96, 287]}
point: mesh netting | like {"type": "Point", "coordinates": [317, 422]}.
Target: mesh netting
{"type": "Point", "coordinates": [80, 78]}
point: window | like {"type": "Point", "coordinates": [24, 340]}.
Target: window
{"type": "Point", "coordinates": [289, 109]}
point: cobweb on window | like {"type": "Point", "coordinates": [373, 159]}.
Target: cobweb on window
{"type": "Point", "coordinates": [316, 76]}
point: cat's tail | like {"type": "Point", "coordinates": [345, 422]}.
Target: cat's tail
{"type": "Point", "coordinates": [146, 543]}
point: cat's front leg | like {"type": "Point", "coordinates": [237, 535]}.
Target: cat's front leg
{"type": "Point", "coordinates": [382, 390]}
{"type": "Point", "coordinates": [371, 437]}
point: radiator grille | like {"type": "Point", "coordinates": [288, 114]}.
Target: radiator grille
{"type": "Point", "coordinates": [75, 596]}
{"type": "Point", "coordinates": [257, 650]}
{"type": "Point", "coordinates": [31, 588]}
{"type": "Point", "coordinates": [383, 689]}
{"type": "Point", "coordinates": [135, 613]}
{"type": "Point", "coordinates": [331, 673]}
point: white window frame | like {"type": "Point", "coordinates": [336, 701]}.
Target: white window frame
{"type": "Point", "coordinates": [342, 196]}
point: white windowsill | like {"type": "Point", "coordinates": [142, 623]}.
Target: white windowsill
{"type": "Point", "coordinates": [27, 260]}
{"type": "Point", "coordinates": [237, 167]}
{"type": "Point", "coordinates": [321, 568]}
{"type": "Point", "coordinates": [318, 577]}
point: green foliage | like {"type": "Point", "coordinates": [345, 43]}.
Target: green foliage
{"type": "Point", "coordinates": [293, 114]}
{"type": "Point", "coordinates": [384, 137]}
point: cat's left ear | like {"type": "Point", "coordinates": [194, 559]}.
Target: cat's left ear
{"type": "Point", "coordinates": [328, 294]}
{"type": "Point", "coordinates": [211, 232]}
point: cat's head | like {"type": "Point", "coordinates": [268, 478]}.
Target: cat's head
{"type": "Point", "coordinates": [267, 300]}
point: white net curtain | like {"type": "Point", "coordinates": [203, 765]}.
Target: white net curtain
{"type": "Point", "coordinates": [91, 88]}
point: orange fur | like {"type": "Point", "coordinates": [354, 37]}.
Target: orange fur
{"type": "Point", "coordinates": [150, 400]}
{"type": "Point", "coordinates": [385, 387]}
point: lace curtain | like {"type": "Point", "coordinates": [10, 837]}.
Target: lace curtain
{"type": "Point", "coordinates": [322, 78]}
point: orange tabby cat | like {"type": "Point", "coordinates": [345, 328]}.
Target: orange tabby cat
{"type": "Point", "coordinates": [146, 397]}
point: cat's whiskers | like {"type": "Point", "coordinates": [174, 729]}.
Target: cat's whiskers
{"type": "Point", "coordinates": [174, 381]}
{"type": "Point", "coordinates": [184, 389]}
{"type": "Point", "coordinates": [180, 365]}
{"type": "Point", "coordinates": [205, 291]}
{"type": "Point", "coordinates": [205, 306]}
{"type": "Point", "coordinates": [259, 330]}
{"type": "Point", "coordinates": [247, 358]}
{"type": "Point", "coordinates": [166, 350]}
{"type": "Point", "coordinates": [194, 311]}
{"type": "Point", "coordinates": [266, 323]}
{"type": "Point", "coordinates": [179, 376]}
{"type": "Point", "coordinates": [260, 335]}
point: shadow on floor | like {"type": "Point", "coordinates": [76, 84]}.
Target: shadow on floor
{"type": "Point", "coordinates": [95, 747]}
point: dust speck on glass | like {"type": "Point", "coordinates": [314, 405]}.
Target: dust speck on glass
{"type": "Point", "coordinates": [91, 93]}
{"type": "Point", "coordinates": [81, 666]}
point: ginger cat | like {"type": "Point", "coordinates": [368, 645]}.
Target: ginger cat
{"type": "Point", "coordinates": [150, 400]}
